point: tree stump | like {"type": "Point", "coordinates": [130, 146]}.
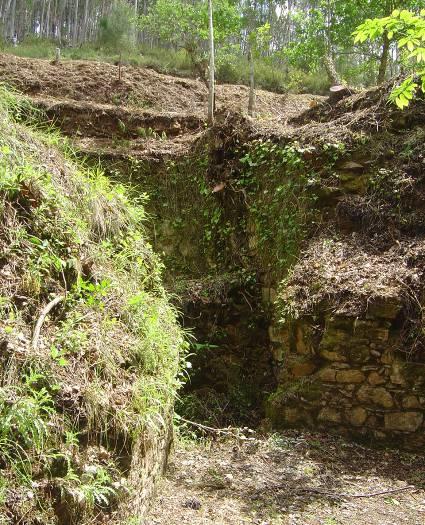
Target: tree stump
{"type": "Point", "coordinates": [337, 93]}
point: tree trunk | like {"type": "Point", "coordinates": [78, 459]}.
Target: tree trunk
{"type": "Point", "coordinates": [384, 60]}
{"type": "Point", "coordinates": [331, 71]}
{"type": "Point", "coordinates": [212, 65]}
{"type": "Point", "coordinates": [75, 29]}
{"type": "Point", "coordinates": [47, 24]}
{"type": "Point", "coordinates": [328, 60]}
{"type": "Point", "coordinates": [12, 19]}
{"type": "Point", "coordinates": [86, 14]}
{"type": "Point", "coordinates": [251, 100]}
{"type": "Point", "coordinates": [41, 26]}
{"type": "Point", "coordinates": [136, 12]}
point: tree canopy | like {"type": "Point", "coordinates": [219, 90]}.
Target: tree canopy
{"type": "Point", "coordinates": [309, 42]}
{"type": "Point", "coordinates": [407, 31]}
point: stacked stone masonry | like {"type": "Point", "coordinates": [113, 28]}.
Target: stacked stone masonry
{"type": "Point", "coordinates": [349, 374]}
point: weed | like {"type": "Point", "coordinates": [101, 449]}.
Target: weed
{"type": "Point", "coordinates": [109, 357]}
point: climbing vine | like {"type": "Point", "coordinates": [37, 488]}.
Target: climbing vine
{"type": "Point", "coordinates": [277, 181]}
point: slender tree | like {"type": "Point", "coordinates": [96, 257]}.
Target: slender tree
{"type": "Point", "coordinates": [211, 93]}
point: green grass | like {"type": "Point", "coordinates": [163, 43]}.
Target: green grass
{"type": "Point", "coordinates": [231, 68]}
{"type": "Point", "coordinates": [106, 368]}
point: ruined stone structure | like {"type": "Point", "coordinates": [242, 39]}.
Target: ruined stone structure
{"type": "Point", "coordinates": [348, 376]}
{"type": "Point", "coordinates": [350, 174]}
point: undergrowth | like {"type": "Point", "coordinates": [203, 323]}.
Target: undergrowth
{"type": "Point", "coordinates": [231, 68]}
{"type": "Point", "coordinates": [102, 377]}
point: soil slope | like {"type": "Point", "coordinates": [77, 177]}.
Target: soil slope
{"type": "Point", "coordinates": [140, 88]}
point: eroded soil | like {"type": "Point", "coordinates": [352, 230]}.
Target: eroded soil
{"type": "Point", "coordinates": [140, 88]}
{"type": "Point", "coordinates": [292, 478]}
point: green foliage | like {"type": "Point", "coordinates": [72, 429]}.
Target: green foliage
{"type": "Point", "coordinates": [329, 23]}
{"type": "Point", "coordinates": [114, 29]}
{"type": "Point", "coordinates": [407, 30]}
{"type": "Point", "coordinates": [185, 24]}
{"type": "Point", "coordinates": [97, 489]}
{"type": "Point", "coordinates": [68, 231]}
{"type": "Point", "coordinates": [25, 415]}
{"type": "Point", "coordinates": [278, 185]}
{"type": "Point", "coordinates": [259, 40]}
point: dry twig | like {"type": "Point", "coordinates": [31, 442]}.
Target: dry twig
{"type": "Point", "coordinates": [46, 310]}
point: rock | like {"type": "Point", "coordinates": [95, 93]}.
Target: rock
{"type": "Point", "coordinates": [292, 416]}
{"type": "Point", "coordinates": [360, 352]}
{"type": "Point", "coordinates": [351, 165]}
{"type": "Point", "coordinates": [330, 415]}
{"type": "Point", "coordinates": [302, 342]}
{"type": "Point", "coordinates": [192, 503]}
{"type": "Point", "coordinates": [332, 355]}
{"type": "Point", "coordinates": [350, 376]}
{"type": "Point", "coordinates": [302, 369]}
{"type": "Point", "coordinates": [387, 357]}
{"type": "Point", "coordinates": [357, 416]}
{"type": "Point", "coordinates": [404, 421]}
{"type": "Point", "coordinates": [384, 308]}
{"type": "Point", "coordinates": [375, 379]}
{"type": "Point", "coordinates": [411, 402]}
{"type": "Point", "coordinates": [327, 375]}
{"type": "Point", "coordinates": [396, 375]}
{"type": "Point", "coordinates": [377, 434]}
{"type": "Point", "coordinates": [372, 330]}
{"type": "Point", "coordinates": [278, 334]}
{"type": "Point", "coordinates": [377, 396]}
{"type": "Point", "coordinates": [353, 182]}
{"type": "Point", "coordinates": [372, 422]}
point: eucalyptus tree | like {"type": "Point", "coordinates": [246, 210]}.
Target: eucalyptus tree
{"type": "Point", "coordinates": [185, 24]}
{"type": "Point", "coordinates": [211, 85]}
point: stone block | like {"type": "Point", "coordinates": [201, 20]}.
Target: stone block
{"type": "Point", "coordinates": [376, 379]}
{"type": "Point", "coordinates": [404, 421]}
{"type": "Point", "coordinates": [350, 376]}
{"type": "Point", "coordinates": [376, 396]}
{"type": "Point", "coordinates": [396, 375]}
{"type": "Point", "coordinates": [279, 334]}
{"type": "Point", "coordinates": [359, 351]}
{"type": "Point", "coordinates": [302, 369]}
{"type": "Point", "coordinates": [387, 357]}
{"type": "Point", "coordinates": [293, 416]}
{"type": "Point", "coordinates": [327, 375]}
{"type": "Point", "coordinates": [332, 355]}
{"type": "Point", "coordinates": [335, 337]}
{"type": "Point", "coordinates": [357, 416]}
{"type": "Point", "coordinates": [411, 402]}
{"type": "Point", "coordinates": [352, 182]}
{"type": "Point", "coordinates": [302, 340]}
{"type": "Point", "coordinates": [372, 422]}
{"type": "Point", "coordinates": [329, 415]}
{"type": "Point", "coordinates": [384, 308]}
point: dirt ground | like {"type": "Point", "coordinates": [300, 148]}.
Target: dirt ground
{"type": "Point", "coordinates": [292, 478]}
{"type": "Point", "coordinates": [139, 88]}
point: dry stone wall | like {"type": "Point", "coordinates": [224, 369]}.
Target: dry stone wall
{"type": "Point", "coordinates": [349, 374]}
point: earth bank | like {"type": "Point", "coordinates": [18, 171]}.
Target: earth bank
{"type": "Point", "coordinates": [293, 244]}
{"type": "Point", "coordinates": [295, 241]}
{"type": "Point", "coordinates": [90, 345]}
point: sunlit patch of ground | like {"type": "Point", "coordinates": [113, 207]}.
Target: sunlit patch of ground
{"type": "Point", "coordinates": [292, 478]}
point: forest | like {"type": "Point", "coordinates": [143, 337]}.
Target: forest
{"type": "Point", "coordinates": [297, 45]}
{"type": "Point", "coordinates": [212, 262]}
